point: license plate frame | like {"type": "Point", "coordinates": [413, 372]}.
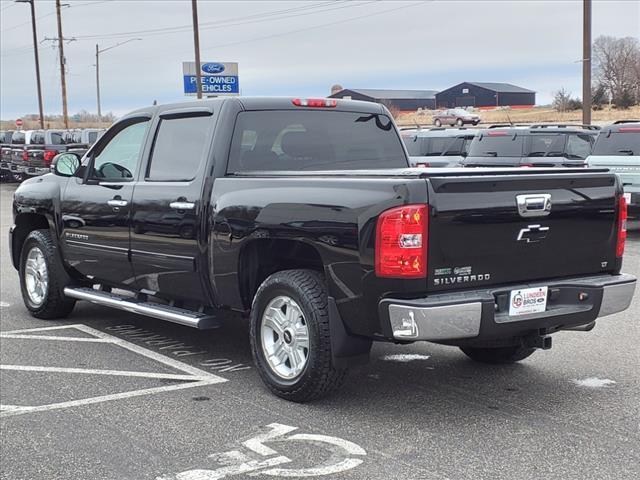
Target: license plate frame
{"type": "Point", "coordinates": [528, 301]}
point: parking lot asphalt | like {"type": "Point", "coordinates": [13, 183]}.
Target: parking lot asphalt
{"type": "Point", "coordinates": [107, 394]}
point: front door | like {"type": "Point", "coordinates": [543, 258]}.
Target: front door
{"type": "Point", "coordinates": [96, 209]}
{"type": "Point", "coordinates": [168, 235]}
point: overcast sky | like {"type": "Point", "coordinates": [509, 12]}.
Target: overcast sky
{"type": "Point", "coordinates": [298, 48]}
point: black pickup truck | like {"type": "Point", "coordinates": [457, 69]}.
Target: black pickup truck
{"type": "Point", "coordinates": [303, 215]}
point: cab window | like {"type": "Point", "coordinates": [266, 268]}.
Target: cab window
{"type": "Point", "coordinates": [117, 160]}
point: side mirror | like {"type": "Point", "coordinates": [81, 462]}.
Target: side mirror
{"type": "Point", "coordinates": [65, 164]}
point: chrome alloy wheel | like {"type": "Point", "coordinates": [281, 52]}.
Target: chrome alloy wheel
{"type": "Point", "coordinates": [285, 337]}
{"type": "Point", "coordinates": [36, 276]}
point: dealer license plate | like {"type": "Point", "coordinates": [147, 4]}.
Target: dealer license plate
{"type": "Point", "coordinates": [528, 300]}
{"type": "Point", "coordinates": [627, 197]}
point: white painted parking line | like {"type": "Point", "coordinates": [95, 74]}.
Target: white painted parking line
{"type": "Point", "coordinates": [191, 377]}
{"type": "Point", "coordinates": [53, 337]}
{"type": "Point", "coordinates": [121, 373]}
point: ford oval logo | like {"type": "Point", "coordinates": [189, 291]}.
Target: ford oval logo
{"type": "Point", "coordinates": [212, 67]}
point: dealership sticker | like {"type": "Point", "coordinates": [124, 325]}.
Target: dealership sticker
{"type": "Point", "coordinates": [528, 300]}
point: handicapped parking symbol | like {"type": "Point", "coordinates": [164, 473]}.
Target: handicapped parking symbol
{"type": "Point", "coordinates": [260, 459]}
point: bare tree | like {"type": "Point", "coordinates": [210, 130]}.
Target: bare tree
{"type": "Point", "coordinates": [617, 66]}
{"type": "Point", "coordinates": [561, 100]}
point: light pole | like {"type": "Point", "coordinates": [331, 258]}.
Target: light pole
{"type": "Point", "coordinates": [35, 53]}
{"type": "Point", "coordinates": [98, 52]}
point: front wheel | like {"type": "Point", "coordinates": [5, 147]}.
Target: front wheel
{"type": "Point", "coordinates": [290, 337]}
{"type": "Point", "coordinates": [460, 122]}
{"type": "Point", "coordinates": [498, 355]}
{"type": "Point", "coordinates": [43, 278]}
{"type": "Point", "coordinates": [437, 123]}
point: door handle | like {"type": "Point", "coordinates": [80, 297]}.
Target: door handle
{"type": "Point", "coordinates": [182, 205]}
{"type": "Point", "coordinates": [117, 203]}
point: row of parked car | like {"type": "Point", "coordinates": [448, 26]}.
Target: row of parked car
{"type": "Point", "coordinates": [28, 153]}
{"type": "Point", "coordinates": [616, 147]}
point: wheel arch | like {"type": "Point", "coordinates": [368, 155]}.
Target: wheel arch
{"type": "Point", "coordinates": [262, 257]}
{"type": "Point", "coordinates": [24, 224]}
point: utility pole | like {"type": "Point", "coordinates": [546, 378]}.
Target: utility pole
{"type": "Point", "coordinates": [98, 52]}
{"type": "Point", "coordinates": [65, 113]}
{"type": "Point", "coordinates": [586, 62]}
{"type": "Point", "coordinates": [35, 53]}
{"type": "Point", "coordinates": [196, 45]}
{"type": "Point", "coordinates": [98, 81]}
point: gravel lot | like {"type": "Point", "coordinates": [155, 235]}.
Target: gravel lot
{"type": "Point", "coordinates": [110, 395]}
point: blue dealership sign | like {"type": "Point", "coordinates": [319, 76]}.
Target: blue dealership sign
{"type": "Point", "coordinates": [218, 78]}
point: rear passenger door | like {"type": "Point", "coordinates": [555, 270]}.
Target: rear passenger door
{"type": "Point", "coordinates": [168, 236]}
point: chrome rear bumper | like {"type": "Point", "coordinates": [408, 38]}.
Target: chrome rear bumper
{"type": "Point", "coordinates": [481, 313]}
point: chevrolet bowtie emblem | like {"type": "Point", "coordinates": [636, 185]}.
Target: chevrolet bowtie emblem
{"type": "Point", "coordinates": [533, 234]}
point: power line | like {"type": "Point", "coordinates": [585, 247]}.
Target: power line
{"type": "Point", "coordinates": [7, 7]}
{"type": "Point", "coordinates": [53, 13]}
{"type": "Point", "coordinates": [232, 22]}
{"type": "Point", "coordinates": [329, 24]}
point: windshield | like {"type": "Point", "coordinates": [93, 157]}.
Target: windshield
{"type": "Point", "coordinates": [617, 144]}
{"type": "Point", "coordinates": [314, 140]}
{"type": "Point", "coordinates": [507, 145]}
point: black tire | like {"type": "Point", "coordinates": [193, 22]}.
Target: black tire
{"type": "Point", "coordinates": [437, 123]}
{"type": "Point", "coordinates": [498, 355]}
{"type": "Point", "coordinates": [475, 123]}
{"type": "Point", "coordinates": [55, 304]}
{"type": "Point", "coordinates": [319, 377]}
{"type": "Point", "coordinates": [460, 122]}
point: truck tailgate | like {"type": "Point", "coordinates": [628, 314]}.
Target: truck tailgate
{"type": "Point", "coordinates": [478, 237]}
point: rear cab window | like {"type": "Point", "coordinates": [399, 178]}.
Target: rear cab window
{"type": "Point", "coordinates": [57, 138]}
{"type": "Point", "coordinates": [314, 140]}
{"type": "Point", "coordinates": [17, 138]}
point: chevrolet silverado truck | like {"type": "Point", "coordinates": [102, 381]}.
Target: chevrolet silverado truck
{"type": "Point", "coordinates": [304, 215]}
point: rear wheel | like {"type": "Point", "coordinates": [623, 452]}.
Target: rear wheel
{"type": "Point", "coordinates": [437, 123]}
{"type": "Point", "coordinates": [290, 338]}
{"type": "Point", "coordinates": [460, 122]}
{"type": "Point", "coordinates": [499, 354]}
{"type": "Point", "coordinates": [43, 278]}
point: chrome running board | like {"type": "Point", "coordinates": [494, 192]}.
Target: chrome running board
{"type": "Point", "coordinates": [189, 318]}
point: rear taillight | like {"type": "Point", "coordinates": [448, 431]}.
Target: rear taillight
{"type": "Point", "coordinates": [526, 165]}
{"type": "Point", "coordinates": [497, 133]}
{"type": "Point", "coordinates": [315, 102]}
{"type": "Point", "coordinates": [48, 156]}
{"type": "Point", "coordinates": [401, 242]}
{"type": "Point", "coordinates": [622, 226]}
{"type": "Point", "coordinates": [629, 129]}
{"type": "Point", "coordinates": [25, 155]}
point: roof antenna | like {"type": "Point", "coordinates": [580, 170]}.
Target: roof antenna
{"type": "Point", "coordinates": [508, 118]}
